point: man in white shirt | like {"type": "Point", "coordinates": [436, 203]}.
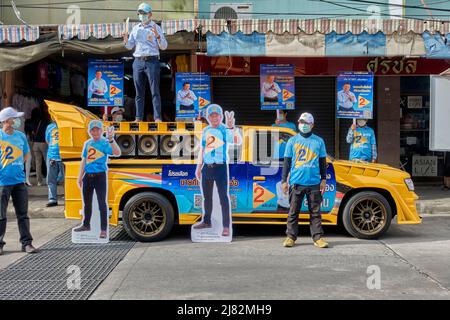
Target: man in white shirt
{"type": "Point", "coordinates": [346, 98]}
{"type": "Point", "coordinates": [270, 89]}
{"type": "Point", "coordinates": [186, 97]}
{"type": "Point", "coordinates": [98, 86]}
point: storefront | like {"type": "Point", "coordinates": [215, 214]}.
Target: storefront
{"type": "Point", "coordinates": [396, 51]}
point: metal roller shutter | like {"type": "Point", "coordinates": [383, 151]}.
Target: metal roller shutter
{"type": "Point", "coordinates": [313, 94]}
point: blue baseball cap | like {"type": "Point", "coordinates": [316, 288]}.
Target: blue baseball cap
{"type": "Point", "coordinates": [214, 108]}
{"type": "Point", "coordinates": [144, 7]}
{"type": "Point", "coordinates": [95, 124]}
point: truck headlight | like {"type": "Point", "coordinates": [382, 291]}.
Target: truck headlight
{"type": "Point", "coordinates": [410, 184]}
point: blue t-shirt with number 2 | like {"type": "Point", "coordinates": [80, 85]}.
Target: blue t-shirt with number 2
{"type": "Point", "coordinates": [305, 154]}
{"type": "Point", "coordinates": [96, 155]}
{"type": "Point", "coordinates": [13, 147]}
{"type": "Point", "coordinates": [52, 138]}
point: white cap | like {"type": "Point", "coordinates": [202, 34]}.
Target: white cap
{"type": "Point", "coordinates": [115, 109]}
{"type": "Point", "coordinates": [9, 113]}
{"type": "Point", "coordinates": [306, 117]}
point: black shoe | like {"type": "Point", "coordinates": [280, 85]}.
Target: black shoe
{"type": "Point", "coordinates": [29, 249]}
{"type": "Point", "coordinates": [52, 204]}
{"type": "Point", "coordinates": [82, 229]}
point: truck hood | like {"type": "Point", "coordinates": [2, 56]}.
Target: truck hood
{"type": "Point", "coordinates": [72, 124]}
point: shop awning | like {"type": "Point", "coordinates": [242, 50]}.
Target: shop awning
{"type": "Point", "coordinates": [308, 26]}
{"type": "Point", "coordinates": [16, 34]}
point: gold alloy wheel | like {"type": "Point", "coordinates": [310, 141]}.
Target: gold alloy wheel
{"type": "Point", "coordinates": [147, 218]}
{"type": "Point", "coordinates": [368, 216]}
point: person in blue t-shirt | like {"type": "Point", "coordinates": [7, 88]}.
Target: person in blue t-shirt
{"type": "Point", "coordinates": [306, 164]}
{"type": "Point", "coordinates": [212, 166]}
{"type": "Point", "coordinates": [54, 163]}
{"type": "Point", "coordinates": [280, 144]}
{"type": "Point", "coordinates": [363, 143]}
{"type": "Point", "coordinates": [14, 151]}
{"type": "Point", "coordinates": [93, 173]}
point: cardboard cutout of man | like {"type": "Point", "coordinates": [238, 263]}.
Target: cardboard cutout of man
{"type": "Point", "coordinates": [94, 177]}
{"type": "Point", "coordinates": [212, 171]}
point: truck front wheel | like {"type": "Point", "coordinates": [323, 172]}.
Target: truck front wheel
{"type": "Point", "coordinates": [148, 216]}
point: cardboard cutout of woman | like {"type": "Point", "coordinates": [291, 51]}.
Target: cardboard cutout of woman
{"type": "Point", "coordinates": [94, 177]}
{"type": "Point", "coordinates": [213, 174]}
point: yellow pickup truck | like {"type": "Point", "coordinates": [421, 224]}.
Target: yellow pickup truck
{"type": "Point", "coordinates": [152, 186]}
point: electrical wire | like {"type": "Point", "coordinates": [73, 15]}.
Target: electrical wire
{"type": "Point", "coordinates": [394, 5]}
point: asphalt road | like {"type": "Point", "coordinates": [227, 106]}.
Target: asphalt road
{"type": "Point", "coordinates": [409, 262]}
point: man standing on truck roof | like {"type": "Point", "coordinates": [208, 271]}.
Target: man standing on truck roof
{"type": "Point", "coordinates": [306, 163]}
{"type": "Point", "coordinates": [147, 37]}
{"type": "Point", "coordinates": [212, 166]}
{"type": "Point", "coordinates": [14, 152]}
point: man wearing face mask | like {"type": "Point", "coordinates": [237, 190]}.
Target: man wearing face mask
{"type": "Point", "coordinates": [148, 38]}
{"type": "Point", "coordinates": [14, 152]}
{"type": "Point", "coordinates": [305, 163]}
{"type": "Point", "coordinates": [281, 121]}
{"type": "Point", "coordinates": [363, 143]}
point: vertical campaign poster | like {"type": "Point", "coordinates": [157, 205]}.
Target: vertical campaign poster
{"type": "Point", "coordinates": [105, 83]}
{"type": "Point", "coordinates": [355, 95]}
{"type": "Point", "coordinates": [193, 93]}
{"type": "Point", "coordinates": [277, 87]}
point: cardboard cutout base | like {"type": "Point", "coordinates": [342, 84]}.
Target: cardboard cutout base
{"type": "Point", "coordinates": [92, 236]}
{"type": "Point", "coordinates": [213, 234]}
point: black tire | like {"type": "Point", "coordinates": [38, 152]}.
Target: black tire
{"type": "Point", "coordinates": [148, 217]}
{"type": "Point", "coordinates": [367, 215]}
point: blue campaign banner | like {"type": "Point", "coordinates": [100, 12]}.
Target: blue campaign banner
{"type": "Point", "coordinates": [355, 95]}
{"type": "Point", "coordinates": [105, 79]}
{"type": "Point", "coordinates": [193, 93]}
{"type": "Point", "coordinates": [238, 44]}
{"type": "Point", "coordinates": [277, 83]}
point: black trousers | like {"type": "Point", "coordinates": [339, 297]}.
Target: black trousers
{"type": "Point", "coordinates": [216, 173]}
{"type": "Point", "coordinates": [19, 194]}
{"type": "Point", "coordinates": [97, 182]}
{"type": "Point", "coordinates": [314, 199]}
{"type": "Point", "coordinates": [97, 96]}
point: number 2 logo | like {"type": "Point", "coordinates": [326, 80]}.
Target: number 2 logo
{"type": "Point", "coordinates": [301, 155]}
{"type": "Point", "coordinates": [8, 153]}
{"type": "Point", "coordinates": [358, 139]}
{"type": "Point", "coordinates": [258, 193]}
{"type": "Point", "coordinates": [91, 154]}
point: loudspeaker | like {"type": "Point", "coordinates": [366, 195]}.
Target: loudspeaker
{"type": "Point", "coordinates": [170, 145]}
{"type": "Point", "coordinates": [147, 145]}
{"type": "Point", "coordinates": [191, 146]}
{"type": "Point", "coordinates": [127, 145]}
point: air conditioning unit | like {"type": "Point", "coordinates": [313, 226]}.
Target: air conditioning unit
{"type": "Point", "coordinates": [231, 10]}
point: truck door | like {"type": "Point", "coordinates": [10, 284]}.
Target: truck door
{"type": "Point", "coordinates": [264, 171]}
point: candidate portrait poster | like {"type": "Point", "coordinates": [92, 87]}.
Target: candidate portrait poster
{"type": "Point", "coordinates": [355, 95]}
{"type": "Point", "coordinates": [105, 83]}
{"type": "Point", "coordinates": [277, 85]}
{"type": "Point", "coordinates": [193, 93]}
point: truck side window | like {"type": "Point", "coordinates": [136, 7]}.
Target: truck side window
{"type": "Point", "coordinates": [269, 147]}
{"type": "Point", "coordinates": [235, 151]}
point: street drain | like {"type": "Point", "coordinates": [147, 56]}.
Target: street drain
{"type": "Point", "coordinates": [52, 274]}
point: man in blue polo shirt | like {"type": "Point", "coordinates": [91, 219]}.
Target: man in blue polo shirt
{"type": "Point", "coordinates": [212, 164]}
{"type": "Point", "coordinates": [54, 163]}
{"type": "Point", "coordinates": [14, 152]}
{"type": "Point", "coordinates": [363, 143]}
{"type": "Point", "coordinates": [93, 174]}
{"type": "Point", "coordinates": [305, 163]}
{"type": "Point", "coordinates": [147, 37]}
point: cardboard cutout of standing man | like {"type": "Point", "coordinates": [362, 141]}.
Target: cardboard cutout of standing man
{"type": "Point", "coordinates": [213, 174]}
{"type": "Point", "coordinates": [94, 177]}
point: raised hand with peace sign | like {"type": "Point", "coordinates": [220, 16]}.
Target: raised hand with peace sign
{"type": "Point", "coordinates": [229, 119]}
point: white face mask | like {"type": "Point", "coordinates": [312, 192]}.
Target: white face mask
{"type": "Point", "coordinates": [118, 118]}
{"type": "Point", "coordinates": [17, 123]}
{"type": "Point", "coordinates": [361, 123]}
{"type": "Point", "coordinates": [143, 18]}
{"type": "Point", "coordinates": [304, 128]}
